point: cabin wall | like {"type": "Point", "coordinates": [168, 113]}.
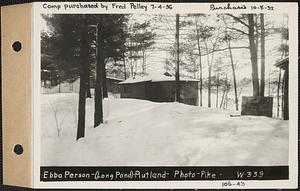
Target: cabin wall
{"type": "Point", "coordinates": [161, 91]}
{"type": "Point", "coordinates": [133, 90]}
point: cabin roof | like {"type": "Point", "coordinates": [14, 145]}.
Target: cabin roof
{"type": "Point", "coordinates": [282, 63]}
{"type": "Point", "coordinates": [156, 77]}
{"type": "Point", "coordinates": [113, 78]}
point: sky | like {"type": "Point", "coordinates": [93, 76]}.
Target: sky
{"type": "Point", "coordinates": [241, 56]}
{"type": "Point", "coordinates": [165, 30]}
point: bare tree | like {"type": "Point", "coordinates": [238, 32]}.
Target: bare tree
{"type": "Point", "coordinates": [177, 97]}
{"type": "Point", "coordinates": [199, 55]}
{"type": "Point", "coordinates": [253, 53]}
{"type": "Point", "coordinates": [207, 34]}
{"type": "Point", "coordinates": [262, 49]}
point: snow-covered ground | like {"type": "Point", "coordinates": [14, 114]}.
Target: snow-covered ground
{"type": "Point", "coordinates": [139, 132]}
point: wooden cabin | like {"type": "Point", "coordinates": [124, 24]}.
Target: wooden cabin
{"type": "Point", "coordinates": [112, 85]}
{"type": "Point", "coordinates": [160, 88]}
{"type": "Point", "coordinates": [283, 64]}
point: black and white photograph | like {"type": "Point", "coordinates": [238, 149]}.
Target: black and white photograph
{"type": "Point", "coordinates": [165, 89]}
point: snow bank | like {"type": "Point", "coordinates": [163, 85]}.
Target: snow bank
{"type": "Point", "coordinates": [139, 132]}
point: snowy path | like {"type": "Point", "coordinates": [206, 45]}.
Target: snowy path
{"type": "Point", "coordinates": [139, 132]}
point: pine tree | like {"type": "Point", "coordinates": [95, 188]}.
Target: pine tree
{"type": "Point", "coordinates": [64, 46]}
{"type": "Point", "coordinates": [110, 41]}
{"type": "Point", "coordinates": [68, 52]}
{"type": "Point", "coordinates": [83, 77]}
{"type": "Point", "coordinates": [249, 23]}
{"type": "Point", "coordinates": [98, 114]}
{"type": "Point", "coordinates": [113, 34]}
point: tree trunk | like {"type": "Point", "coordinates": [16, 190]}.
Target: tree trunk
{"type": "Point", "coordinates": [282, 94]}
{"type": "Point", "coordinates": [222, 98]}
{"type": "Point", "coordinates": [135, 68]}
{"type": "Point", "coordinates": [217, 83]}
{"type": "Point", "coordinates": [59, 89]}
{"type": "Point", "coordinates": [256, 32]}
{"type": "Point", "coordinates": [104, 85]}
{"type": "Point", "coordinates": [234, 77]}
{"type": "Point", "coordinates": [200, 64]}
{"type": "Point", "coordinates": [98, 115]}
{"type": "Point", "coordinates": [177, 64]}
{"type": "Point", "coordinates": [286, 94]}
{"type": "Point", "coordinates": [124, 66]}
{"type": "Point", "coordinates": [217, 98]}
{"type": "Point", "coordinates": [144, 62]}
{"type": "Point", "coordinates": [269, 82]}
{"type": "Point", "coordinates": [262, 71]}
{"type": "Point", "coordinates": [209, 86]}
{"type": "Point", "coordinates": [83, 77]}
{"type": "Point", "coordinates": [224, 92]}
{"type": "Point", "coordinates": [209, 77]}
{"type": "Point", "coordinates": [253, 55]}
{"type": "Point", "coordinates": [195, 70]}
{"type": "Point", "coordinates": [50, 78]}
{"type": "Point", "coordinates": [88, 85]}
{"type": "Point", "coordinates": [226, 99]}
{"type": "Point", "coordinates": [131, 60]}
{"type": "Point", "coordinates": [201, 83]}
{"type": "Point", "coordinates": [278, 90]}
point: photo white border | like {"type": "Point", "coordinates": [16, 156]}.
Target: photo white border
{"type": "Point", "coordinates": [290, 8]}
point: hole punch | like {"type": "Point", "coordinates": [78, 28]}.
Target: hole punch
{"type": "Point", "coordinates": [18, 149]}
{"type": "Point", "coordinates": [17, 46]}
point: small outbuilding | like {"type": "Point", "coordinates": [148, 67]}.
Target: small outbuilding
{"type": "Point", "coordinates": [112, 85]}
{"type": "Point", "coordinates": [283, 64]}
{"type": "Point", "coordinates": [160, 88]}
